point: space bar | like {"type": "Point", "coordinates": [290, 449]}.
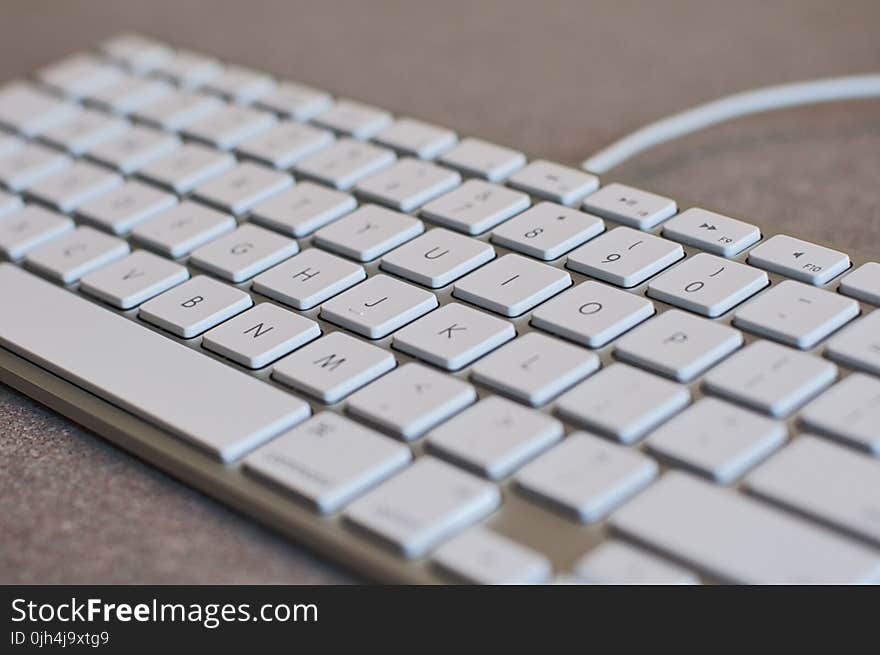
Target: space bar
{"type": "Point", "coordinates": [218, 409]}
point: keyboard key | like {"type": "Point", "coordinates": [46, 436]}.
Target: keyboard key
{"type": "Point", "coordinates": [863, 283]}
{"type": "Point", "coordinates": [136, 52]}
{"type": "Point", "coordinates": [345, 163]}
{"type": "Point", "coordinates": [629, 206]}
{"type": "Point", "coordinates": [554, 182]}
{"type": "Point", "coordinates": [28, 228]}
{"type": "Point", "coordinates": [84, 131]}
{"type": "Point", "coordinates": [194, 307]}
{"type": "Point", "coordinates": [178, 110]}
{"type": "Point", "coordinates": [285, 144]}
{"type": "Point", "coordinates": [740, 540]}
{"type": "Point", "coordinates": [711, 232]}
{"type": "Point", "coordinates": [534, 368]}
{"type": "Point", "coordinates": [858, 346]}
{"type": "Point", "coordinates": [453, 336]}
{"type": "Point", "coordinates": [119, 210]}
{"type": "Point", "coordinates": [230, 125]}
{"type": "Point", "coordinates": [133, 280]}
{"type": "Point", "coordinates": [547, 231]}
{"type": "Point", "coordinates": [129, 94]}
{"type": "Point", "coordinates": [483, 159]}
{"type": "Point", "coordinates": [79, 75]}
{"type": "Point", "coordinates": [189, 70]}
{"type": "Point", "coordinates": [25, 109]}
{"type": "Point", "coordinates": [378, 306]}
{"type": "Point", "coordinates": [623, 402]}
{"type": "Point", "coordinates": [827, 482]}
{"type": "Point", "coordinates": [9, 143]}
{"type": "Point", "coordinates": [512, 285]}
{"type": "Point", "coordinates": [678, 345]}
{"type": "Point", "coordinates": [592, 314]}
{"type": "Point", "coordinates": [416, 138]}
{"type": "Point", "coordinates": [182, 228]}
{"type": "Point", "coordinates": [260, 335]}
{"type": "Point", "coordinates": [186, 167]}
{"type": "Point", "coordinates": [587, 476]}
{"type": "Point", "coordinates": [707, 284]}
{"type": "Point", "coordinates": [624, 256]}
{"type": "Point", "coordinates": [717, 439]}
{"type": "Point", "coordinates": [76, 253]}
{"type": "Point", "coordinates": [220, 410]}
{"type": "Point", "coordinates": [480, 556]}
{"type": "Point", "coordinates": [475, 207]}
{"type": "Point", "coordinates": [9, 203]}
{"type": "Point", "coordinates": [30, 164]}
{"type": "Point", "coordinates": [296, 101]}
{"type": "Point", "coordinates": [368, 233]}
{"type": "Point", "coordinates": [798, 259]}
{"type": "Point", "coordinates": [437, 258]}
{"type": "Point", "coordinates": [333, 366]}
{"type": "Point", "coordinates": [428, 502]}
{"type": "Point", "coordinates": [796, 314]}
{"type": "Point", "coordinates": [328, 461]}
{"type": "Point", "coordinates": [770, 378]}
{"type": "Point", "coordinates": [301, 210]}
{"type": "Point", "coordinates": [617, 562]}
{"type": "Point", "coordinates": [242, 187]}
{"type": "Point", "coordinates": [240, 255]}
{"type": "Point", "coordinates": [849, 411]}
{"type": "Point", "coordinates": [408, 184]}
{"type": "Point", "coordinates": [134, 149]}
{"type": "Point", "coordinates": [495, 437]}
{"type": "Point", "coordinates": [308, 279]}
{"type": "Point", "coordinates": [354, 119]}
{"type": "Point", "coordinates": [71, 187]}
{"type": "Point", "coordinates": [241, 85]}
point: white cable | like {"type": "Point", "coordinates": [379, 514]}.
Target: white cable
{"type": "Point", "coordinates": [733, 106]}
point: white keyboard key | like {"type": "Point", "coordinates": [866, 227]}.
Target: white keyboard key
{"type": "Point", "coordinates": [437, 258]}
{"type": "Point", "coordinates": [71, 187]}
{"type": "Point", "coordinates": [328, 461]}
{"type": "Point", "coordinates": [303, 209]}
{"type": "Point", "coordinates": [242, 187]}
{"type": "Point", "coordinates": [378, 306]}
{"type": "Point", "coordinates": [858, 346]}
{"type": "Point", "coordinates": [480, 556]}
{"type": "Point", "coordinates": [630, 206]}
{"type": "Point", "coordinates": [129, 94]}
{"type": "Point", "coordinates": [25, 109]}
{"type": "Point", "coordinates": [182, 228]}
{"type": "Point", "coordinates": [230, 125]}
{"type": "Point", "coordinates": [617, 562]}
{"type": "Point", "coordinates": [28, 228]}
{"type": "Point", "coordinates": [534, 368]}
{"type": "Point", "coordinates": [717, 439]}
{"type": "Point", "coordinates": [296, 101]}
{"type": "Point", "coordinates": [134, 148]}
{"type": "Point", "coordinates": [554, 182]}
{"type": "Point", "coordinates": [368, 233]}
{"type": "Point", "coordinates": [408, 184]}
{"type": "Point", "coordinates": [345, 163]}
{"type": "Point", "coordinates": [770, 378]}
{"type": "Point", "coordinates": [587, 476]}
{"type": "Point", "coordinates": [308, 279]}
{"type": "Point", "coordinates": [512, 285]}
{"type": "Point", "coordinates": [333, 366]}
{"type": "Point", "coordinates": [798, 259]}
{"type": "Point", "coordinates": [133, 280]}
{"type": "Point", "coordinates": [30, 164]}
{"type": "Point", "coordinates": [711, 232]}
{"type": "Point", "coordinates": [475, 207]}
{"type": "Point", "coordinates": [849, 411]}
{"type": "Point", "coordinates": [707, 284]}
{"type": "Point", "coordinates": [453, 336]}
{"type": "Point", "coordinates": [495, 437]}
{"type": "Point", "coordinates": [84, 131]}
{"type": "Point", "coordinates": [483, 159]}
{"type": "Point", "coordinates": [547, 231]}
{"type": "Point", "coordinates": [740, 540]}
{"type": "Point", "coordinates": [411, 400]}
{"type": "Point", "coordinates": [185, 168]}
{"type": "Point", "coordinates": [9, 203]}
{"type": "Point", "coordinates": [624, 256]}
{"type": "Point", "coordinates": [194, 307]}
{"type": "Point", "coordinates": [9, 143]}
{"type": "Point", "coordinates": [678, 345]}
{"type": "Point", "coordinates": [796, 314]}
{"type": "Point", "coordinates": [260, 335]}
{"type": "Point", "coordinates": [119, 210]}
{"type": "Point", "coordinates": [189, 69]}
{"type": "Point", "coordinates": [425, 504]}
{"type": "Point", "coordinates": [416, 138]}
{"type": "Point", "coordinates": [178, 110]}
{"type": "Point", "coordinates": [76, 253]}
{"type": "Point", "coordinates": [137, 52]}
{"type": "Point", "coordinates": [241, 85]}
{"type": "Point", "coordinates": [592, 313]}
{"type": "Point", "coordinates": [354, 119]}
{"type": "Point", "coordinates": [285, 144]}
{"type": "Point", "coordinates": [825, 481]}
{"type": "Point", "coordinates": [623, 402]}
{"type": "Point", "coordinates": [863, 283]}
{"type": "Point", "coordinates": [240, 255]}
{"type": "Point", "coordinates": [79, 75]}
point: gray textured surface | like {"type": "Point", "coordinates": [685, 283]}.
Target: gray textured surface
{"type": "Point", "coordinates": [558, 79]}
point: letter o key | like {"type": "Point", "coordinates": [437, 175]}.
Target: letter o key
{"type": "Point", "coordinates": [590, 308]}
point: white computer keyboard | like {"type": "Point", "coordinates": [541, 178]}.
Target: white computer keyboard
{"type": "Point", "coordinates": [426, 356]}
